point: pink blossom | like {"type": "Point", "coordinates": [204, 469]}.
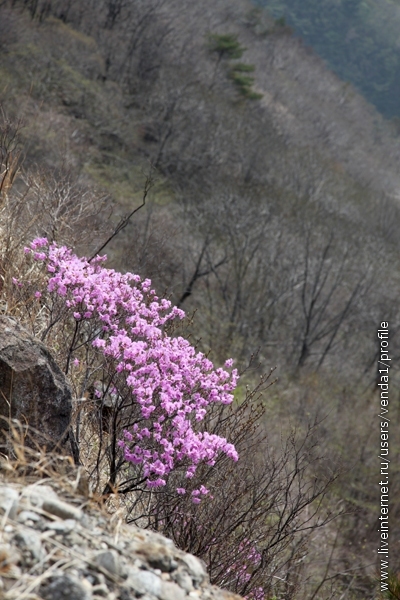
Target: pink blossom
{"type": "Point", "coordinates": [171, 383]}
{"type": "Point", "coordinates": [38, 243]}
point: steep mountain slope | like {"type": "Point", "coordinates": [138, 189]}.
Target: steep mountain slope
{"type": "Point", "coordinates": [275, 218]}
{"type": "Point", "coordinates": [309, 170]}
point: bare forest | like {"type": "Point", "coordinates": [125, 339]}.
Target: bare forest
{"type": "Point", "coordinates": [201, 145]}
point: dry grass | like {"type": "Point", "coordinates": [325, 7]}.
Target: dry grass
{"type": "Point", "coordinates": [40, 202]}
{"type": "Point", "coordinates": [29, 464]}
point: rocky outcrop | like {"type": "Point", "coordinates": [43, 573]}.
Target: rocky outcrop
{"type": "Point", "coordinates": [55, 543]}
{"type": "Point", "coordinates": [54, 548]}
{"type": "Point", "coordinates": [33, 389]}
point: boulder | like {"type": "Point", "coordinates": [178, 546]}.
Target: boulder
{"type": "Point", "coordinates": [33, 389]}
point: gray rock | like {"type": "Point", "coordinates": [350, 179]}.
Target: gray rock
{"type": "Point", "coordinates": [45, 498]}
{"type": "Point", "coordinates": [101, 590]}
{"type": "Point", "coordinates": [65, 587]}
{"type": "Point", "coordinates": [108, 560]}
{"type": "Point", "coordinates": [170, 591]}
{"type": "Point", "coordinates": [34, 389]}
{"type": "Point", "coordinates": [62, 526]}
{"type": "Point", "coordinates": [143, 582]}
{"type": "Point", "coordinates": [183, 579]}
{"type": "Point", "coordinates": [9, 501]}
{"type": "Point", "coordinates": [127, 594]}
{"type": "Point", "coordinates": [196, 569]}
{"type": "Point", "coordinates": [95, 578]}
{"type": "Point", "coordinates": [30, 545]}
{"type": "Point", "coordinates": [61, 509]}
{"type": "Point", "coordinates": [28, 515]}
{"type": "Point", "coordinates": [36, 493]}
{"type": "Point", "coordinates": [158, 556]}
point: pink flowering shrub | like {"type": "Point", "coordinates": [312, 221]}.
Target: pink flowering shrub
{"type": "Point", "coordinates": [240, 571]}
{"type": "Point", "coordinates": [170, 384]}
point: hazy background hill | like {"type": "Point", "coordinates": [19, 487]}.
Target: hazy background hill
{"type": "Point", "coordinates": [275, 210]}
{"type": "Point", "coordinates": [359, 40]}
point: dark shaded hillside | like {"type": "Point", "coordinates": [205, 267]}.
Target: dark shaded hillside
{"type": "Point", "coordinates": [275, 219]}
{"type": "Point", "coordinates": [359, 40]}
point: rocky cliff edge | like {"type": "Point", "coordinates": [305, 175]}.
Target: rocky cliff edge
{"type": "Point", "coordinates": [57, 544]}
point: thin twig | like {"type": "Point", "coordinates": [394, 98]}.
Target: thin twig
{"type": "Point", "coordinates": [125, 220]}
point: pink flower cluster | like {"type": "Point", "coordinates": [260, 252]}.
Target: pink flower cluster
{"type": "Point", "coordinates": [171, 383]}
{"type": "Point", "coordinates": [250, 557]}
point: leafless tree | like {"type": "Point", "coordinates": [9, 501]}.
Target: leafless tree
{"type": "Point", "coordinates": [327, 298]}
